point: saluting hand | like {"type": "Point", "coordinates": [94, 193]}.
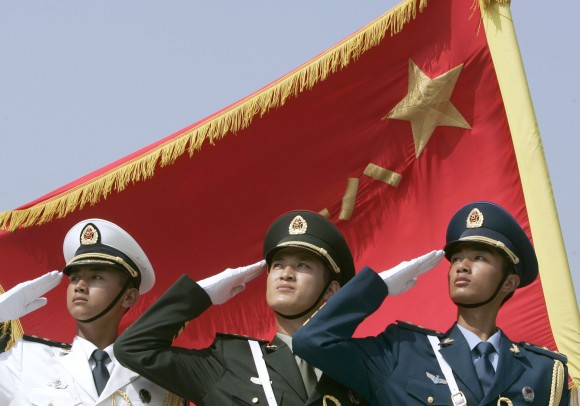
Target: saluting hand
{"type": "Point", "coordinates": [225, 285]}
{"type": "Point", "coordinates": [404, 276]}
{"type": "Point", "coordinates": [26, 297]}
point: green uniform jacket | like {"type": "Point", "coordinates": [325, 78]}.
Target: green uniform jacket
{"type": "Point", "coordinates": [222, 374]}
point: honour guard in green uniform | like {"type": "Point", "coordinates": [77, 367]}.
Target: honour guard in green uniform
{"type": "Point", "coordinates": [308, 260]}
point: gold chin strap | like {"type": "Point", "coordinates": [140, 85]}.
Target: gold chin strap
{"type": "Point", "coordinates": [494, 243]}
{"type": "Point", "coordinates": [320, 251]}
{"type": "Point", "coordinates": [104, 258]}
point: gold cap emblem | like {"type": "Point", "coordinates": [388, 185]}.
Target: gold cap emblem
{"type": "Point", "coordinates": [297, 226]}
{"type": "Point", "coordinates": [474, 219]}
{"type": "Point", "coordinates": [89, 235]}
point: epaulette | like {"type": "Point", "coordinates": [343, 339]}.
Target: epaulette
{"type": "Point", "coordinates": [46, 341]}
{"type": "Point", "coordinates": [242, 337]}
{"type": "Point", "coordinates": [419, 329]}
{"type": "Point", "coordinates": [544, 351]}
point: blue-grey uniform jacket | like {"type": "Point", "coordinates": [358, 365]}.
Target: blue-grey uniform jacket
{"type": "Point", "coordinates": [399, 367]}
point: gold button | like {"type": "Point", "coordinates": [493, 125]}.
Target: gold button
{"type": "Point", "coordinates": [255, 400]}
{"type": "Point", "coordinates": [430, 399]}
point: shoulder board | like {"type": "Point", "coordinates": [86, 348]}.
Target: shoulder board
{"type": "Point", "coordinates": [544, 351]}
{"type": "Point", "coordinates": [419, 329]}
{"type": "Point", "coordinates": [242, 337]}
{"type": "Point", "coordinates": [46, 341]}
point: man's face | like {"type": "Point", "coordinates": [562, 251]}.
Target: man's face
{"type": "Point", "coordinates": [92, 289]}
{"type": "Point", "coordinates": [295, 280]}
{"type": "Point", "coordinates": [474, 274]}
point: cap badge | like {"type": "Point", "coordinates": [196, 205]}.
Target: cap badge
{"type": "Point", "coordinates": [297, 226]}
{"type": "Point", "coordinates": [89, 235]}
{"type": "Point", "coordinates": [474, 219]}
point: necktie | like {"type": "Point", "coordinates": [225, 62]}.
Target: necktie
{"type": "Point", "coordinates": [483, 365]}
{"type": "Point", "coordinates": [100, 371]}
{"type": "Point", "coordinates": [308, 375]}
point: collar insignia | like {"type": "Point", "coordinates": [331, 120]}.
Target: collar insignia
{"type": "Point", "coordinates": [297, 226]}
{"type": "Point", "coordinates": [447, 341]}
{"type": "Point", "coordinates": [474, 219]}
{"type": "Point", "coordinates": [515, 349]}
{"type": "Point", "coordinates": [90, 235]}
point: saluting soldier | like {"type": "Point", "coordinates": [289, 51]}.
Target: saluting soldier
{"type": "Point", "coordinates": [308, 261]}
{"type": "Point", "coordinates": [107, 271]}
{"type": "Point", "coordinates": [474, 362]}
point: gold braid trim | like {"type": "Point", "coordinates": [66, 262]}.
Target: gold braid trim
{"type": "Point", "coordinates": [172, 400]}
{"type": "Point", "coordinates": [231, 120]}
{"type": "Point", "coordinates": [557, 383]}
{"type": "Point", "coordinates": [503, 400]}
{"type": "Point", "coordinates": [123, 395]}
{"type": "Point", "coordinates": [11, 327]}
{"type": "Point", "coordinates": [334, 400]}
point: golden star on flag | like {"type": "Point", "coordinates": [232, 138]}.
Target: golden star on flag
{"type": "Point", "coordinates": [427, 105]}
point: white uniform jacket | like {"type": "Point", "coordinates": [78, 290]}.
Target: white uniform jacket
{"type": "Point", "coordinates": [40, 372]}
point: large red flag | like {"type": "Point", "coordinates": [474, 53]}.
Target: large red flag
{"type": "Point", "coordinates": [387, 133]}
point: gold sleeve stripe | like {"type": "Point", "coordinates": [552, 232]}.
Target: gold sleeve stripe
{"type": "Point", "coordinates": [381, 174]}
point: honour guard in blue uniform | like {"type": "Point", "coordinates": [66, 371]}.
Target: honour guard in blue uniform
{"type": "Point", "coordinates": [308, 260]}
{"type": "Point", "coordinates": [107, 272]}
{"type": "Point", "coordinates": [474, 362]}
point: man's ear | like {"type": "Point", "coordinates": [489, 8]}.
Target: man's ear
{"type": "Point", "coordinates": [511, 283]}
{"type": "Point", "coordinates": [332, 289]}
{"type": "Point", "coordinates": [130, 297]}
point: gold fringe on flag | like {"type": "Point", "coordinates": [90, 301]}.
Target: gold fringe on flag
{"type": "Point", "coordinates": [231, 120]}
{"type": "Point", "coordinates": [486, 3]}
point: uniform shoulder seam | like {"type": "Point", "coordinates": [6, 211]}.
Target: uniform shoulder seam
{"type": "Point", "coordinates": [419, 329]}
{"type": "Point", "coordinates": [544, 351]}
{"type": "Point", "coordinates": [242, 337]}
{"type": "Point", "coordinates": [46, 341]}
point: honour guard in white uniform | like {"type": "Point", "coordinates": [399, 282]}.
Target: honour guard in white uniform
{"type": "Point", "coordinates": [107, 271]}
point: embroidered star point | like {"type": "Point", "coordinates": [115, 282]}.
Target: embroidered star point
{"type": "Point", "coordinates": [427, 105]}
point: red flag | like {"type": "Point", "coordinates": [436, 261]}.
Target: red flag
{"type": "Point", "coordinates": [388, 133]}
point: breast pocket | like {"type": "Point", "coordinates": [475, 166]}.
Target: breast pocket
{"type": "Point", "coordinates": [48, 396]}
{"type": "Point", "coordinates": [429, 393]}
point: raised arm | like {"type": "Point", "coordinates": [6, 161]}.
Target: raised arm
{"type": "Point", "coordinates": [146, 346]}
{"type": "Point", "coordinates": [326, 340]}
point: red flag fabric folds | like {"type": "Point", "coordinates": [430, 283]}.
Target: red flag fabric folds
{"type": "Point", "coordinates": [387, 133]}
